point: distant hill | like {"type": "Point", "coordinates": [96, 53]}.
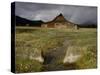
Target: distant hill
{"type": "Point", "coordinates": [37, 23]}
{"type": "Point", "coordinates": [87, 26]}
{"type": "Point", "coordinates": [25, 22]}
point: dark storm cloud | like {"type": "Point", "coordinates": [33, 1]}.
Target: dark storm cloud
{"type": "Point", "coordinates": [46, 12]}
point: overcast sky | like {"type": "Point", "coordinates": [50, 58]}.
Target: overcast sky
{"type": "Point", "coordinates": [47, 12]}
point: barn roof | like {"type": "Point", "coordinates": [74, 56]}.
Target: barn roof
{"type": "Point", "coordinates": [59, 18]}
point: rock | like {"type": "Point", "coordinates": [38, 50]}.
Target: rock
{"type": "Point", "coordinates": [36, 55]}
{"type": "Point", "coordinates": [72, 54]}
{"type": "Point", "coordinates": [71, 58]}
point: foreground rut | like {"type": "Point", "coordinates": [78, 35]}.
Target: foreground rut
{"type": "Point", "coordinates": [53, 58]}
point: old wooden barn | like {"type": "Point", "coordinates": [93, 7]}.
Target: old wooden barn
{"type": "Point", "coordinates": [59, 22]}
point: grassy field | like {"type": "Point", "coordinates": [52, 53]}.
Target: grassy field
{"type": "Point", "coordinates": [57, 47]}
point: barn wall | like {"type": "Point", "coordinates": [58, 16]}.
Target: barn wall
{"type": "Point", "coordinates": [59, 25]}
{"type": "Point", "coordinates": [44, 25]}
{"type": "Point", "coordinates": [51, 25]}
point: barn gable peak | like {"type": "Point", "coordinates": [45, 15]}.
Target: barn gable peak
{"type": "Point", "coordinates": [60, 18]}
{"type": "Point", "coordinates": [60, 14]}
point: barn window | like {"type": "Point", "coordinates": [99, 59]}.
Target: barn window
{"type": "Point", "coordinates": [44, 25]}
{"type": "Point", "coordinates": [57, 23]}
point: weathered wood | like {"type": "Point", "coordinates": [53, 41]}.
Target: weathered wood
{"type": "Point", "coordinates": [59, 22]}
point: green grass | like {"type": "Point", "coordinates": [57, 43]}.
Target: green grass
{"type": "Point", "coordinates": [45, 40]}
